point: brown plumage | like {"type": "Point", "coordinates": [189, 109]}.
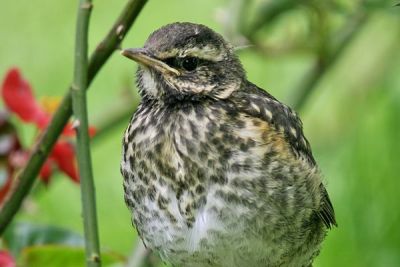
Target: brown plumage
{"type": "Point", "coordinates": [217, 171]}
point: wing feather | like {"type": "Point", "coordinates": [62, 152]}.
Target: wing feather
{"type": "Point", "coordinates": [258, 103]}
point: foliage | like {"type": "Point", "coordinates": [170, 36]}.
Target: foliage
{"type": "Point", "coordinates": [346, 89]}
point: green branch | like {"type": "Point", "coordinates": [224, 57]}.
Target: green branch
{"type": "Point", "coordinates": [79, 108]}
{"type": "Point", "coordinates": [49, 137]}
{"type": "Point", "coordinates": [326, 60]}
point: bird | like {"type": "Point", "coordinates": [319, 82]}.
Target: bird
{"type": "Point", "coordinates": [216, 171]}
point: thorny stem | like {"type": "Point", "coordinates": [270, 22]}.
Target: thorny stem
{"type": "Point", "coordinates": [49, 137]}
{"type": "Point", "coordinates": [79, 108]}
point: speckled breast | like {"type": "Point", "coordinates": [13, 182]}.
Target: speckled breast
{"type": "Point", "coordinates": [210, 186]}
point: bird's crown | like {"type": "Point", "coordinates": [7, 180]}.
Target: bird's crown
{"type": "Point", "coordinates": [186, 59]}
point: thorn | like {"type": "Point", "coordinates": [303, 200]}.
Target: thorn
{"type": "Point", "coordinates": [95, 257]}
{"type": "Point", "coordinates": [87, 6]}
{"type": "Point", "coordinates": [119, 31]}
{"type": "Point", "coordinates": [76, 124]}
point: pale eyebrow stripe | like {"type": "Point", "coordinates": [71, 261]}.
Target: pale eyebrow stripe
{"type": "Point", "coordinates": [207, 53]}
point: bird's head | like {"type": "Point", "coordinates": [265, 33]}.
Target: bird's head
{"type": "Point", "coordinates": [186, 60]}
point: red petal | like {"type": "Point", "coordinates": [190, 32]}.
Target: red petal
{"type": "Point", "coordinates": [70, 131]}
{"type": "Point", "coordinates": [18, 97]}
{"type": "Point", "coordinates": [64, 155]}
{"type": "Point", "coordinates": [6, 260]}
{"type": "Point", "coordinates": [92, 131]}
{"type": "Point", "coordinates": [42, 120]}
{"type": "Point", "coordinates": [46, 171]}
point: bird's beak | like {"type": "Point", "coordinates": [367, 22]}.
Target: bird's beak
{"type": "Point", "coordinates": [143, 57]}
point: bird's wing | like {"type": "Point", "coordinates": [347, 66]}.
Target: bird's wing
{"type": "Point", "coordinates": [327, 213]}
{"type": "Point", "coordinates": [258, 103]}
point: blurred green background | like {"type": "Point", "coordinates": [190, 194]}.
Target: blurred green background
{"type": "Point", "coordinates": [351, 115]}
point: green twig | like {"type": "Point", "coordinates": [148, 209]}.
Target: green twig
{"type": "Point", "coordinates": [266, 13]}
{"type": "Point", "coordinates": [64, 111]}
{"type": "Point", "coordinates": [326, 60]}
{"type": "Point", "coordinates": [79, 108]}
{"type": "Point", "coordinates": [114, 37]}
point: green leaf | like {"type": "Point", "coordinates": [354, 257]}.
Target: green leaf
{"type": "Point", "coordinates": [63, 256]}
{"type": "Point", "coordinates": [21, 235]}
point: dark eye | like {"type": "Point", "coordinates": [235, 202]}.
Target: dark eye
{"type": "Point", "coordinates": [189, 63]}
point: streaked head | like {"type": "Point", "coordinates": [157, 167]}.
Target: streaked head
{"type": "Point", "coordinates": [186, 59]}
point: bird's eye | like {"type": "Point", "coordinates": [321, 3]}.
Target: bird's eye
{"type": "Point", "coordinates": [189, 63]}
{"type": "Point", "coordinates": [186, 63]}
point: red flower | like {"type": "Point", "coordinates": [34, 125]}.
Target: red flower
{"type": "Point", "coordinates": [62, 158]}
{"type": "Point", "coordinates": [6, 260]}
{"type": "Point", "coordinates": [19, 99]}
{"type": "Point", "coordinates": [63, 155]}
